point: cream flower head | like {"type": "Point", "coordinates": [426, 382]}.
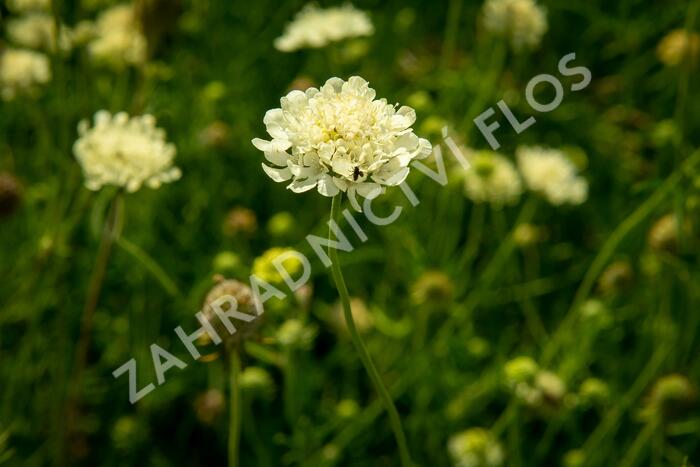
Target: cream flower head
{"type": "Point", "coordinates": [550, 173]}
{"type": "Point", "coordinates": [126, 152]}
{"type": "Point", "coordinates": [118, 38]}
{"type": "Point", "coordinates": [492, 179]}
{"type": "Point", "coordinates": [22, 72]}
{"type": "Point", "coordinates": [340, 138]}
{"type": "Point", "coordinates": [38, 31]}
{"type": "Point", "coordinates": [314, 27]}
{"type": "Point", "coordinates": [523, 22]}
{"type": "Point", "coordinates": [475, 447]}
{"type": "Point", "coordinates": [22, 6]}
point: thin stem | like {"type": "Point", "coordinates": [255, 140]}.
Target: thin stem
{"type": "Point", "coordinates": [451, 31]}
{"type": "Point", "coordinates": [251, 432]}
{"type": "Point", "coordinates": [605, 431]}
{"type": "Point", "coordinates": [386, 398]}
{"type": "Point", "coordinates": [150, 264]}
{"type": "Point", "coordinates": [291, 384]}
{"type": "Point", "coordinates": [109, 232]}
{"type": "Point", "coordinates": [640, 444]}
{"type": "Point", "coordinates": [476, 226]}
{"type": "Point", "coordinates": [490, 82]}
{"type": "Point", "coordinates": [610, 246]}
{"type": "Point", "coordinates": [234, 421]}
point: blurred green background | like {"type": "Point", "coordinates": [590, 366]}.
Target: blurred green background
{"type": "Point", "coordinates": [462, 303]}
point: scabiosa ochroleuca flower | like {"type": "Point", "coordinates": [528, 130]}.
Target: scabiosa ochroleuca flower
{"type": "Point", "coordinates": [475, 447]}
{"type": "Point", "coordinates": [118, 38]}
{"type": "Point", "coordinates": [340, 138]}
{"type": "Point", "coordinates": [38, 31]}
{"type": "Point", "coordinates": [522, 22]}
{"type": "Point", "coordinates": [492, 179]}
{"type": "Point", "coordinates": [23, 6]}
{"type": "Point", "coordinates": [550, 173]}
{"type": "Point", "coordinates": [22, 72]}
{"type": "Point", "coordinates": [125, 152]}
{"type": "Point", "coordinates": [314, 27]}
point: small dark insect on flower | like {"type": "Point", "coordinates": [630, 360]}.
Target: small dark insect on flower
{"type": "Point", "coordinates": [357, 173]}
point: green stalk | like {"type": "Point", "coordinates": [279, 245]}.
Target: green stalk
{"type": "Point", "coordinates": [110, 232]}
{"type": "Point", "coordinates": [151, 265]}
{"type": "Point", "coordinates": [384, 395]}
{"type": "Point", "coordinates": [609, 248]}
{"type": "Point", "coordinates": [234, 410]}
{"type": "Point", "coordinates": [640, 443]}
{"type": "Point", "coordinates": [451, 31]}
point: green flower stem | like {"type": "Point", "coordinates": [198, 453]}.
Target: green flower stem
{"type": "Point", "coordinates": [641, 443]}
{"type": "Point", "coordinates": [451, 31]}
{"type": "Point", "coordinates": [489, 84]}
{"type": "Point", "coordinates": [606, 429]}
{"type": "Point", "coordinates": [150, 264]}
{"type": "Point", "coordinates": [234, 410]}
{"type": "Point", "coordinates": [110, 231]}
{"type": "Point", "coordinates": [291, 388]}
{"type": "Point", "coordinates": [476, 227]}
{"type": "Point", "coordinates": [250, 430]}
{"type": "Point", "coordinates": [609, 248]}
{"type": "Point", "coordinates": [386, 398]}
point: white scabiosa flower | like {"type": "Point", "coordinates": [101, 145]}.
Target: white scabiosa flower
{"type": "Point", "coordinates": [125, 152]}
{"type": "Point", "coordinates": [340, 138]}
{"type": "Point", "coordinates": [315, 27]}
{"type": "Point", "coordinates": [522, 22]}
{"type": "Point", "coordinates": [475, 447]}
{"type": "Point", "coordinates": [22, 72]}
{"type": "Point", "coordinates": [550, 173]}
{"type": "Point", "coordinates": [118, 38]}
{"type": "Point", "coordinates": [23, 6]}
{"type": "Point", "coordinates": [492, 179]}
{"type": "Point", "coordinates": [38, 31]}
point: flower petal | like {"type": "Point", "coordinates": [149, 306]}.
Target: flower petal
{"type": "Point", "coordinates": [278, 175]}
{"type": "Point", "coordinates": [326, 186]}
{"type": "Point", "coordinates": [353, 199]}
{"type": "Point", "coordinates": [300, 186]}
{"type": "Point", "coordinates": [368, 190]}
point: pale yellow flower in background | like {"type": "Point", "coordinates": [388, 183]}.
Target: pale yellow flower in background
{"type": "Point", "coordinates": [38, 31]}
{"type": "Point", "coordinates": [23, 6]}
{"type": "Point", "coordinates": [118, 39]}
{"type": "Point", "coordinates": [340, 138]}
{"type": "Point", "coordinates": [678, 46]}
{"type": "Point", "coordinates": [492, 179]}
{"type": "Point", "coordinates": [124, 152]}
{"type": "Point", "coordinates": [475, 447]}
{"type": "Point", "coordinates": [550, 173]}
{"type": "Point", "coordinates": [264, 267]}
{"type": "Point", "coordinates": [22, 72]}
{"type": "Point", "coordinates": [314, 27]}
{"type": "Point", "coordinates": [522, 22]}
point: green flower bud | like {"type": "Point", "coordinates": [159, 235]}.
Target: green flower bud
{"type": "Point", "coordinates": [434, 289]}
{"type": "Point", "coordinates": [594, 391]}
{"type": "Point", "coordinates": [294, 333]}
{"type": "Point", "coordinates": [227, 262]}
{"type": "Point", "coordinates": [574, 458]}
{"type": "Point", "coordinates": [671, 397]}
{"type": "Point", "coordinates": [347, 408]}
{"type": "Point", "coordinates": [520, 370]}
{"type": "Point", "coordinates": [282, 225]}
{"type": "Point", "coordinates": [475, 447]}
{"type": "Point", "coordinates": [257, 381]}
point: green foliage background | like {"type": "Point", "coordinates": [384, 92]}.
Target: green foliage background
{"type": "Point", "coordinates": [443, 360]}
